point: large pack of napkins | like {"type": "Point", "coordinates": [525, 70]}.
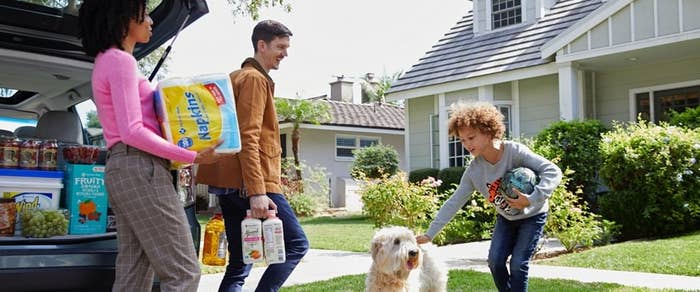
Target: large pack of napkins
{"type": "Point", "coordinates": [194, 113]}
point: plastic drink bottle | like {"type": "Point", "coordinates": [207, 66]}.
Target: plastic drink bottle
{"type": "Point", "coordinates": [215, 243]}
{"type": "Point", "coordinates": [273, 237]}
{"type": "Point", "coordinates": [251, 236]}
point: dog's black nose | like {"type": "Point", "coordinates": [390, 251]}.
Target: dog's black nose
{"type": "Point", "coordinates": [413, 253]}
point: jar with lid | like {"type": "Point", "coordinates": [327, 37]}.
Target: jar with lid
{"type": "Point", "coordinates": [48, 155]}
{"type": "Point", "coordinates": [9, 152]}
{"type": "Point", "coordinates": [29, 154]}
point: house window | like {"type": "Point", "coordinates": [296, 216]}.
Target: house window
{"type": "Point", "coordinates": [506, 111]}
{"type": "Point", "coordinates": [654, 105]}
{"type": "Point", "coordinates": [505, 13]}
{"type": "Point", "coordinates": [457, 155]}
{"type": "Point", "coordinates": [344, 145]}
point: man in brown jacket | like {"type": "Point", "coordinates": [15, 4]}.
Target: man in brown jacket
{"type": "Point", "coordinates": [250, 179]}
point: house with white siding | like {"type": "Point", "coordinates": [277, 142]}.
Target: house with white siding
{"type": "Point", "coordinates": [353, 125]}
{"type": "Point", "coordinates": [540, 61]}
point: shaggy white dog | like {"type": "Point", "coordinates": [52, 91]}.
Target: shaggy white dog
{"type": "Point", "coordinates": [399, 264]}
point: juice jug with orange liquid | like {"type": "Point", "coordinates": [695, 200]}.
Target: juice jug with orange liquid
{"type": "Point", "coordinates": [251, 236]}
{"type": "Point", "coordinates": [215, 243]}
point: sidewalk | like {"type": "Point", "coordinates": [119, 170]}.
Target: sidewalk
{"type": "Point", "coordinates": [320, 265]}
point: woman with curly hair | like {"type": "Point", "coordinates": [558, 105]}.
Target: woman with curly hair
{"type": "Point", "coordinates": [520, 221]}
{"type": "Point", "coordinates": [152, 230]}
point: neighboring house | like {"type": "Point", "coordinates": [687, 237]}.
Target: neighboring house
{"type": "Point", "coordinates": [352, 126]}
{"type": "Point", "coordinates": [95, 137]}
{"type": "Point", "coordinates": [541, 61]}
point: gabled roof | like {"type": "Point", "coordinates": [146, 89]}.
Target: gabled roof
{"type": "Point", "coordinates": [461, 55]}
{"type": "Point", "coordinates": [374, 116]}
{"type": "Point", "coordinates": [573, 32]}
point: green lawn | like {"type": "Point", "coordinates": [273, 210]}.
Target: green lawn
{"type": "Point", "coordinates": [349, 233]}
{"type": "Point", "coordinates": [677, 256]}
{"type": "Point", "coordinates": [464, 280]}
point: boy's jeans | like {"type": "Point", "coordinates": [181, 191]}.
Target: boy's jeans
{"type": "Point", "coordinates": [519, 240]}
{"type": "Point", "coordinates": [234, 208]}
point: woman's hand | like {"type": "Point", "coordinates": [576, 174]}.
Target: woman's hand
{"type": "Point", "coordinates": [520, 203]}
{"type": "Point", "coordinates": [423, 238]}
{"type": "Point", "coordinates": [208, 155]}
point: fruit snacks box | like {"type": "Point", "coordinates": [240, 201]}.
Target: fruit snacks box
{"type": "Point", "coordinates": [86, 198]}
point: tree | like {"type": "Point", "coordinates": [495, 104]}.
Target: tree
{"type": "Point", "coordinates": [298, 111]}
{"type": "Point", "coordinates": [252, 7]}
{"type": "Point", "coordinates": [92, 121]}
{"type": "Point", "coordinates": [375, 90]}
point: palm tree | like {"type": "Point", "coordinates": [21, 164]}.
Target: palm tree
{"type": "Point", "coordinates": [298, 111]}
{"type": "Point", "coordinates": [376, 90]}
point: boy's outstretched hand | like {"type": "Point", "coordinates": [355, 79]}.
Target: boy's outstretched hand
{"type": "Point", "coordinates": [421, 239]}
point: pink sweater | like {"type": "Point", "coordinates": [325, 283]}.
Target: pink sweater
{"type": "Point", "coordinates": [124, 101]}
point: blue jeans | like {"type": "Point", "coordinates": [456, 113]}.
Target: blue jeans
{"type": "Point", "coordinates": [296, 245]}
{"type": "Point", "coordinates": [517, 239]}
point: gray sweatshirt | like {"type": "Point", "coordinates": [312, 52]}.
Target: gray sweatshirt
{"type": "Point", "coordinates": [484, 177]}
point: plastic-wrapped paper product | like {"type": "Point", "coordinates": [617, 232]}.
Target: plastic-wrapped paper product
{"type": "Point", "coordinates": [194, 113]}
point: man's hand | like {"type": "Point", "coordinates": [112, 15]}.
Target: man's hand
{"type": "Point", "coordinates": [208, 155]}
{"type": "Point", "coordinates": [259, 205]}
{"type": "Point", "coordinates": [520, 203]}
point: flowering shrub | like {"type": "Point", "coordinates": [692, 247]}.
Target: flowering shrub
{"type": "Point", "coordinates": [392, 200]}
{"type": "Point", "coordinates": [653, 173]}
{"type": "Point", "coordinates": [572, 223]}
{"type": "Point", "coordinates": [475, 221]}
{"type": "Point", "coordinates": [309, 195]}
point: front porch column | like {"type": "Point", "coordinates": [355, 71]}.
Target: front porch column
{"type": "Point", "coordinates": [443, 115]}
{"type": "Point", "coordinates": [570, 92]}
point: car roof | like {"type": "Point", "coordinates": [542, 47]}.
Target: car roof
{"type": "Point", "coordinates": [41, 55]}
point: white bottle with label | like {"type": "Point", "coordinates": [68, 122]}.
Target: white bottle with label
{"type": "Point", "coordinates": [273, 236]}
{"type": "Point", "coordinates": [251, 236]}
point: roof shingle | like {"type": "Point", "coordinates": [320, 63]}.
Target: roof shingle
{"type": "Point", "coordinates": [461, 55]}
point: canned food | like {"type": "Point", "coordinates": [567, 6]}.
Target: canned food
{"type": "Point", "coordinates": [8, 214]}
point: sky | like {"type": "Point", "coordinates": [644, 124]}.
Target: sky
{"type": "Point", "coordinates": [330, 38]}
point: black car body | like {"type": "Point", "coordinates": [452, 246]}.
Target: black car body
{"type": "Point", "coordinates": [42, 60]}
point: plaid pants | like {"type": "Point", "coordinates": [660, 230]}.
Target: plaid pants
{"type": "Point", "coordinates": [152, 230]}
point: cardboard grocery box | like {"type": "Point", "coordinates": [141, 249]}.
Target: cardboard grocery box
{"type": "Point", "coordinates": [86, 198]}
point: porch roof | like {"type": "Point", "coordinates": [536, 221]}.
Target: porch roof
{"type": "Point", "coordinates": [626, 25]}
{"type": "Point", "coordinates": [461, 55]}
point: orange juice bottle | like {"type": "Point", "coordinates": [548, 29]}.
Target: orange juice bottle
{"type": "Point", "coordinates": [251, 236]}
{"type": "Point", "coordinates": [273, 238]}
{"type": "Point", "coordinates": [215, 244]}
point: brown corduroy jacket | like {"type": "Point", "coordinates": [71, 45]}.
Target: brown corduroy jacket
{"type": "Point", "coordinates": [257, 166]}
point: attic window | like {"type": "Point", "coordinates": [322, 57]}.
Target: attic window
{"type": "Point", "coordinates": [505, 13]}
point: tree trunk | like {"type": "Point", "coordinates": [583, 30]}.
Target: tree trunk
{"type": "Point", "coordinates": [295, 151]}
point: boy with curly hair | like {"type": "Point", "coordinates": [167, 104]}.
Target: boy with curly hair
{"type": "Point", "coordinates": [520, 221]}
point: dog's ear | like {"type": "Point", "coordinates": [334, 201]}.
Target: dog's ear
{"type": "Point", "coordinates": [376, 246]}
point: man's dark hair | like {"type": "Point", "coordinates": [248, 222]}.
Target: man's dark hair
{"type": "Point", "coordinates": [268, 30]}
{"type": "Point", "coordinates": [105, 24]}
